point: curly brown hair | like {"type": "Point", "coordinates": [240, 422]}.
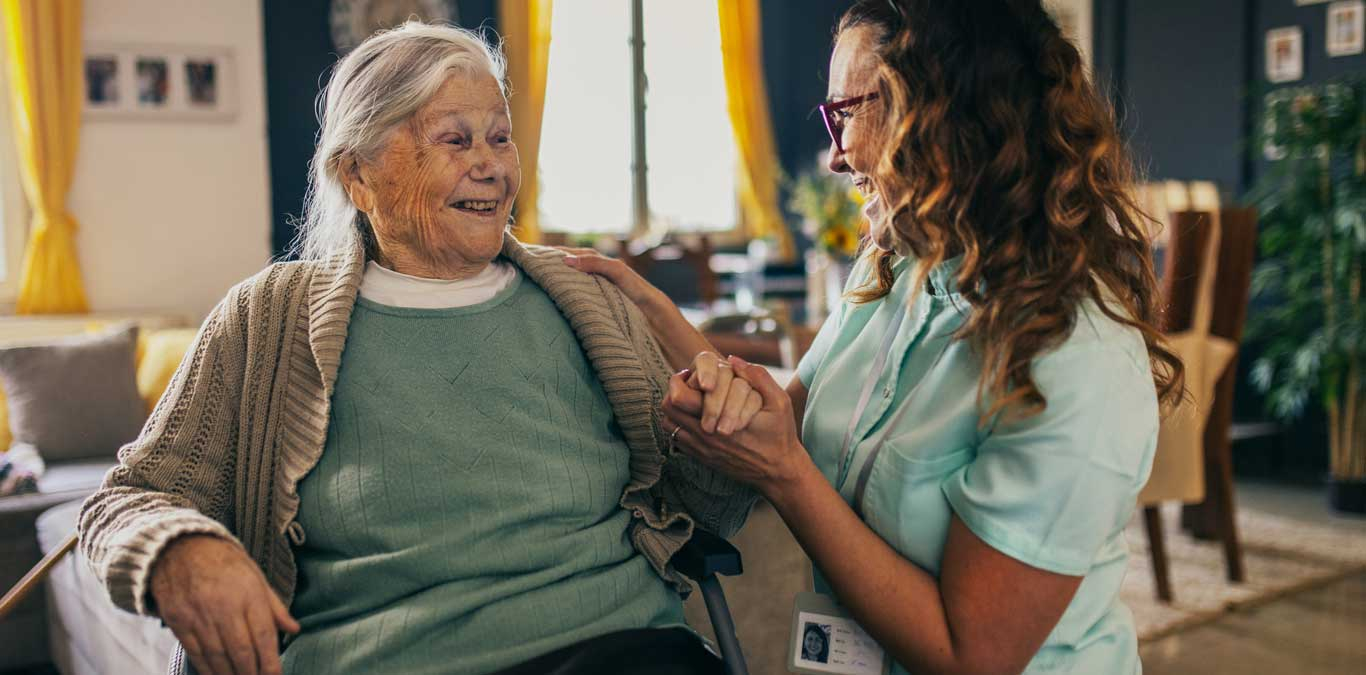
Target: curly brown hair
{"type": "Point", "coordinates": [1000, 149]}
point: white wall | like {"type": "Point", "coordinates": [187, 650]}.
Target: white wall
{"type": "Point", "coordinates": [173, 213]}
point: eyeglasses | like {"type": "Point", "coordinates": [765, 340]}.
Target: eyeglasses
{"type": "Point", "coordinates": [834, 118]}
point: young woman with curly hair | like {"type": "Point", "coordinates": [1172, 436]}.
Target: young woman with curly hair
{"type": "Point", "coordinates": [965, 441]}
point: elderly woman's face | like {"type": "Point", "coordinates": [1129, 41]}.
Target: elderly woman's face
{"type": "Point", "coordinates": [440, 192]}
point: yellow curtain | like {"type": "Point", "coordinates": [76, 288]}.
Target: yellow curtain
{"type": "Point", "coordinates": [742, 56]}
{"type": "Point", "coordinates": [525, 25]}
{"type": "Point", "coordinates": [43, 38]}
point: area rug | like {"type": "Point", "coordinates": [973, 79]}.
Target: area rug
{"type": "Point", "coordinates": [1281, 556]}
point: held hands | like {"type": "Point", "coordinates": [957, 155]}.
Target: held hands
{"type": "Point", "coordinates": [732, 416]}
{"type": "Point", "coordinates": [218, 604]}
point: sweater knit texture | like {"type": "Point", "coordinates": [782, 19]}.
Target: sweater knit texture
{"type": "Point", "coordinates": [245, 418]}
{"type": "Point", "coordinates": [463, 517]}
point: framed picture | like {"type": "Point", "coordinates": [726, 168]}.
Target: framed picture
{"type": "Point", "coordinates": [148, 83]}
{"type": "Point", "coordinates": [102, 81]}
{"type": "Point", "coordinates": [1345, 24]}
{"type": "Point", "coordinates": [153, 82]}
{"type": "Point", "coordinates": [1284, 54]}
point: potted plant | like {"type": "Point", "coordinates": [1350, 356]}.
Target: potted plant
{"type": "Point", "coordinates": [1312, 206]}
{"type": "Point", "coordinates": [832, 218]}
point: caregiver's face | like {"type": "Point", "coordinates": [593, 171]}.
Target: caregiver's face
{"type": "Point", "coordinates": [442, 188]}
{"type": "Point", "coordinates": [853, 68]}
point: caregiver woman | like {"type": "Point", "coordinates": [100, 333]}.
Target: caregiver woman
{"type": "Point", "coordinates": [977, 418]}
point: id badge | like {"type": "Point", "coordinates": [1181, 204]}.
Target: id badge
{"type": "Point", "coordinates": [825, 639]}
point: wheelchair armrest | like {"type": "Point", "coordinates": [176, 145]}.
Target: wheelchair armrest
{"type": "Point", "coordinates": [705, 555]}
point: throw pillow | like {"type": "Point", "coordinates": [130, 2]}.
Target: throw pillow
{"type": "Point", "coordinates": [74, 398]}
{"type": "Point", "coordinates": [162, 352]}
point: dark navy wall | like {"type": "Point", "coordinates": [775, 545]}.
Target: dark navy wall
{"type": "Point", "coordinates": [1184, 88]}
{"type": "Point", "coordinates": [1187, 76]}
{"type": "Point", "coordinates": [798, 36]}
{"type": "Point", "coordinates": [298, 52]}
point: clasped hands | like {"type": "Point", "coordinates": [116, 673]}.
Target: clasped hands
{"type": "Point", "coordinates": [733, 417]}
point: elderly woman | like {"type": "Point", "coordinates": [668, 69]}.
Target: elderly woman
{"type": "Point", "coordinates": [423, 448]}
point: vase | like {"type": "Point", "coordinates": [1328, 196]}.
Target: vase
{"type": "Point", "coordinates": [1347, 496]}
{"type": "Point", "coordinates": [825, 279]}
{"type": "Point", "coordinates": [836, 275]}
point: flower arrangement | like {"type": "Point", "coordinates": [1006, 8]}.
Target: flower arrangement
{"type": "Point", "coordinates": [831, 212]}
{"type": "Point", "coordinates": [1312, 207]}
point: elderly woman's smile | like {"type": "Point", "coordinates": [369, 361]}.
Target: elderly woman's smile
{"type": "Point", "coordinates": [440, 190]}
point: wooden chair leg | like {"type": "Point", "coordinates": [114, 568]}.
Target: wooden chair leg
{"type": "Point", "coordinates": [1157, 548]}
{"type": "Point", "coordinates": [1219, 468]}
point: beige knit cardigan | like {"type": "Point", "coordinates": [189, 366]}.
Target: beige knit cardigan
{"type": "Point", "coordinates": [245, 419]}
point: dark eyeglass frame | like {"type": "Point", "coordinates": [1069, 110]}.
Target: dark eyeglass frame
{"type": "Point", "coordinates": [834, 125]}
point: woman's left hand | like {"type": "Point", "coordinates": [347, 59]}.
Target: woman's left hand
{"type": "Point", "coordinates": [767, 454]}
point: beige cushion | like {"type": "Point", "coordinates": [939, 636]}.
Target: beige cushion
{"type": "Point", "coordinates": [74, 398]}
{"type": "Point", "coordinates": [43, 328]}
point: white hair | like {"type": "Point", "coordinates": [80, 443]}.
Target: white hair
{"type": "Point", "coordinates": [372, 90]}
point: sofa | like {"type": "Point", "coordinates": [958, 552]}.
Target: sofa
{"type": "Point", "coordinates": [24, 635]}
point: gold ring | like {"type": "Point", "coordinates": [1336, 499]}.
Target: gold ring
{"type": "Point", "coordinates": [674, 436]}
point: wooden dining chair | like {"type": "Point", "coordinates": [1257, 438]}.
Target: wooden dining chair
{"type": "Point", "coordinates": [690, 276]}
{"type": "Point", "coordinates": [1197, 469]}
{"type": "Point", "coordinates": [1214, 518]}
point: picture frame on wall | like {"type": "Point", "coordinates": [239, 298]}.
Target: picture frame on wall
{"type": "Point", "coordinates": [1346, 27]}
{"type": "Point", "coordinates": [159, 82]}
{"type": "Point", "coordinates": [102, 80]}
{"type": "Point", "coordinates": [1284, 54]}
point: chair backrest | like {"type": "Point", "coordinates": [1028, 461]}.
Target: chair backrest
{"type": "Point", "coordinates": [1188, 256]}
{"type": "Point", "coordinates": [1188, 293]}
{"type": "Point", "coordinates": [682, 270]}
{"type": "Point", "coordinates": [1205, 291]}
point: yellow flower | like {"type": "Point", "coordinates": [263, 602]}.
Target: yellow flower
{"type": "Point", "coordinates": [839, 239]}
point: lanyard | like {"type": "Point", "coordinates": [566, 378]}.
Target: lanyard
{"type": "Point", "coordinates": [866, 395]}
{"type": "Point", "coordinates": [864, 471]}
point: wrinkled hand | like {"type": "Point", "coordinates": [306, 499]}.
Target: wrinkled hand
{"type": "Point", "coordinates": [636, 288]}
{"type": "Point", "coordinates": [214, 598]}
{"type": "Point", "coordinates": [729, 403]}
{"type": "Point", "coordinates": [766, 453]}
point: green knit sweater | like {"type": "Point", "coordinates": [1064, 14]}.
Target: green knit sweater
{"type": "Point", "coordinates": [483, 442]}
{"type": "Point", "coordinates": [247, 414]}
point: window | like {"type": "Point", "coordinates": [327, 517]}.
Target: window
{"type": "Point", "coordinates": [586, 173]}
{"type": "Point", "coordinates": [14, 213]}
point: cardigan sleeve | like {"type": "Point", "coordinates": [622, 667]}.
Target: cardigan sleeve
{"type": "Point", "coordinates": [715, 502]}
{"type": "Point", "coordinates": [176, 477]}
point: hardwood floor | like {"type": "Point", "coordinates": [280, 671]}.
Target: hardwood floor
{"type": "Point", "coordinates": [1316, 632]}
{"type": "Point", "coordinates": [1319, 631]}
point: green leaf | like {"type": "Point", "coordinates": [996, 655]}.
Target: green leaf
{"type": "Point", "coordinates": [1262, 373]}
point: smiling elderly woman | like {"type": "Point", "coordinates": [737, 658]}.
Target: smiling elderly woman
{"type": "Point", "coordinates": [434, 447]}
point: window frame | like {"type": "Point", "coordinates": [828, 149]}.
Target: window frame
{"type": "Point", "coordinates": [730, 237]}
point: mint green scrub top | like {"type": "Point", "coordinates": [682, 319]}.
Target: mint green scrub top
{"type": "Point", "coordinates": [1053, 491]}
